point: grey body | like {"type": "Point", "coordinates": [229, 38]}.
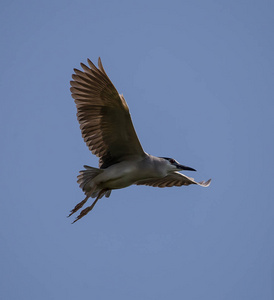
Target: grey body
{"type": "Point", "coordinates": [129, 172]}
{"type": "Point", "coordinates": [108, 131]}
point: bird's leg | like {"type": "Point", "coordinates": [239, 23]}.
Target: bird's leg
{"type": "Point", "coordinates": [78, 206]}
{"type": "Point", "coordinates": [89, 208]}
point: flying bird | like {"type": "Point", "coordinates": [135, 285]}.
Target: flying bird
{"type": "Point", "coordinates": [107, 130]}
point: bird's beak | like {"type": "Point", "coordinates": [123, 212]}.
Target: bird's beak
{"type": "Point", "coordinates": [181, 167]}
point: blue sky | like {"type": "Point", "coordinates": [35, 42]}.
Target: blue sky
{"type": "Point", "coordinates": [198, 79]}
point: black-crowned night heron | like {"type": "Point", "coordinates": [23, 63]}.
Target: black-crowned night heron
{"type": "Point", "coordinates": [108, 131]}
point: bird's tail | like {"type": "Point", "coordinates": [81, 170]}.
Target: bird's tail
{"type": "Point", "coordinates": [85, 180]}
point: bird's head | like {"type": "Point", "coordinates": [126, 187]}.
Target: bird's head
{"type": "Point", "coordinates": [173, 165]}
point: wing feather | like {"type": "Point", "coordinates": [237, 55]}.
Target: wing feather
{"type": "Point", "coordinates": [104, 116]}
{"type": "Point", "coordinates": [174, 179]}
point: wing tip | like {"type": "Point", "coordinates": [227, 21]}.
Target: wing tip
{"type": "Point", "coordinates": [100, 65]}
{"type": "Point", "coordinates": [205, 183]}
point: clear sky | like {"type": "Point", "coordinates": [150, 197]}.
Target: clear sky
{"type": "Point", "coordinates": [198, 79]}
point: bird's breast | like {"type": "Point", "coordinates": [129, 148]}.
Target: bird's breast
{"type": "Point", "coordinates": [117, 176]}
{"type": "Point", "coordinates": [124, 174]}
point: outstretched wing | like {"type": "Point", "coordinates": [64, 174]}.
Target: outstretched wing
{"type": "Point", "coordinates": [174, 179]}
{"type": "Point", "coordinates": [104, 116]}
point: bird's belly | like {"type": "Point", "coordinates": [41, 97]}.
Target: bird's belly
{"type": "Point", "coordinates": [120, 176]}
{"type": "Point", "coordinates": [117, 183]}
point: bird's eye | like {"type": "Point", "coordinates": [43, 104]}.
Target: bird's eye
{"type": "Point", "coordinates": [172, 161]}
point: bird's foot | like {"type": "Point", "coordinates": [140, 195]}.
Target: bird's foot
{"type": "Point", "coordinates": [78, 206]}
{"type": "Point", "coordinates": [86, 211]}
